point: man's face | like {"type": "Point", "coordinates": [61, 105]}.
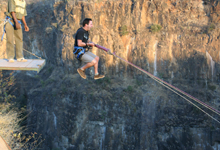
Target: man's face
{"type": "Point", "coordinates": [90, 25]}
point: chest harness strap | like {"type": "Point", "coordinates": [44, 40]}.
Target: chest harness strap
{"type": "Point", "coordinates": [7, 19]}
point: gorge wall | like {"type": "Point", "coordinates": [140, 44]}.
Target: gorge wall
{"type": "Point", "coordinates": [127, 109]}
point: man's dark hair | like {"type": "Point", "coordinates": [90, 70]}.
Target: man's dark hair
{"type": "Point", "coordinates": [86, 21]}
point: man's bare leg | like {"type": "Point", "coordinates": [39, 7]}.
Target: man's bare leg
{"type": "Point", "coordinates": [96, 65]}
{"type": "Point", "coordinates": [81, 70]}
{"type": "Point", "coordinates": [97, 75]}
{"type": "Point", "coordinates": [88, 65]}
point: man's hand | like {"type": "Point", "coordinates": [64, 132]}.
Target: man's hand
{"type": "Point", "coordinates": [91, 44]}
{"type": "Point", "coordinates": [17, 25]}
{"type": "Point", "coordinates": [26, 28]}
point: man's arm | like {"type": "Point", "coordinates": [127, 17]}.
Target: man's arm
{"type": "Point", "coordinates": [26, 28]}
{"type": "Point", "coordinates": [17, 25]}
{"type": "Point", "coordinates": [82, 44]}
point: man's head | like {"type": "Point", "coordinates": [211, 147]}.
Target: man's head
{"type": "Point", "coordinates": [87, 24]}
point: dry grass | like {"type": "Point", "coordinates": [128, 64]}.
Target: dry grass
{"type": "Point", "coordinates": [16, 136]}
{"type": "Point", "coordinates": [9, 122]}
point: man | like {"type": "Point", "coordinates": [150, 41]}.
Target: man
{"type": "Point", "coordinates": [16, 13]}
{"type": "Point", "coordinates": [81, 44]}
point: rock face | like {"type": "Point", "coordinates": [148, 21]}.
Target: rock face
{"type": "Point", "coordinates": [177, 41]}
{"type": "Point", "coordinates": [189, 33]}
{"type": "Point", "coordinates": [3, 8]}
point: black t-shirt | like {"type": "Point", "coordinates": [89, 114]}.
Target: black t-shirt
{"type": "Point", "coordinates": [81, 34]}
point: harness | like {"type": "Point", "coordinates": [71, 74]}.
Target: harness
{"type": "Point", "coordinates": [7, 19]}
{"type": "Point", "coordinates": [79, 51]}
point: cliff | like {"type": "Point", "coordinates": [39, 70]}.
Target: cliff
{"type": "Point", "coordinates": [177, 41]}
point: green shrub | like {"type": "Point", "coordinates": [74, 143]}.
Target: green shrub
{"type": "Point", "coordinates": [43, 83]}
{"type": "Point", "coordinates": [123, 30]}
{"type": "Point", "coordinates": [37, 77]}
{"type": "Point", "coordinates": [50, 69]}
{"type": "Point", "coordinates": [211, 27]}
{"type": "Point", "coordinates": [103, 114]}
{"type": "Point", "coordinates": [155, 28]}
{"type": "Point", "coordinates": [107, 80]}
{"type": "Point", "coordinates": [212, 87]}
{"type": "Point", "coordinates": [138, 83]}
{"type": "Point", "coordinates": [129, 89]}
{"type": "Point", "coordinates": [104, 80]}
{"type": "Point", "coordinates": [160, 75]}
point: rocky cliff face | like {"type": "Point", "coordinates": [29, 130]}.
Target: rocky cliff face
{"type": "Point", "coordinates": [189, 31]}
{"type": "Point", "coordinates": [3, 8]}
{"type": "Point", "coordinates": [177, 41]}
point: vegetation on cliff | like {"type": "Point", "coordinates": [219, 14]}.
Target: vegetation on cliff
{"type": "Point", "coordinates": [11, 118]}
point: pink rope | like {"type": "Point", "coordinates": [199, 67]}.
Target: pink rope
{"type": "Point", "coordinates": [168, 84]}
{"type": "Point", "coordinates": [101, 47]}
{"type": "Point", "coordinates": [107, 50]}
